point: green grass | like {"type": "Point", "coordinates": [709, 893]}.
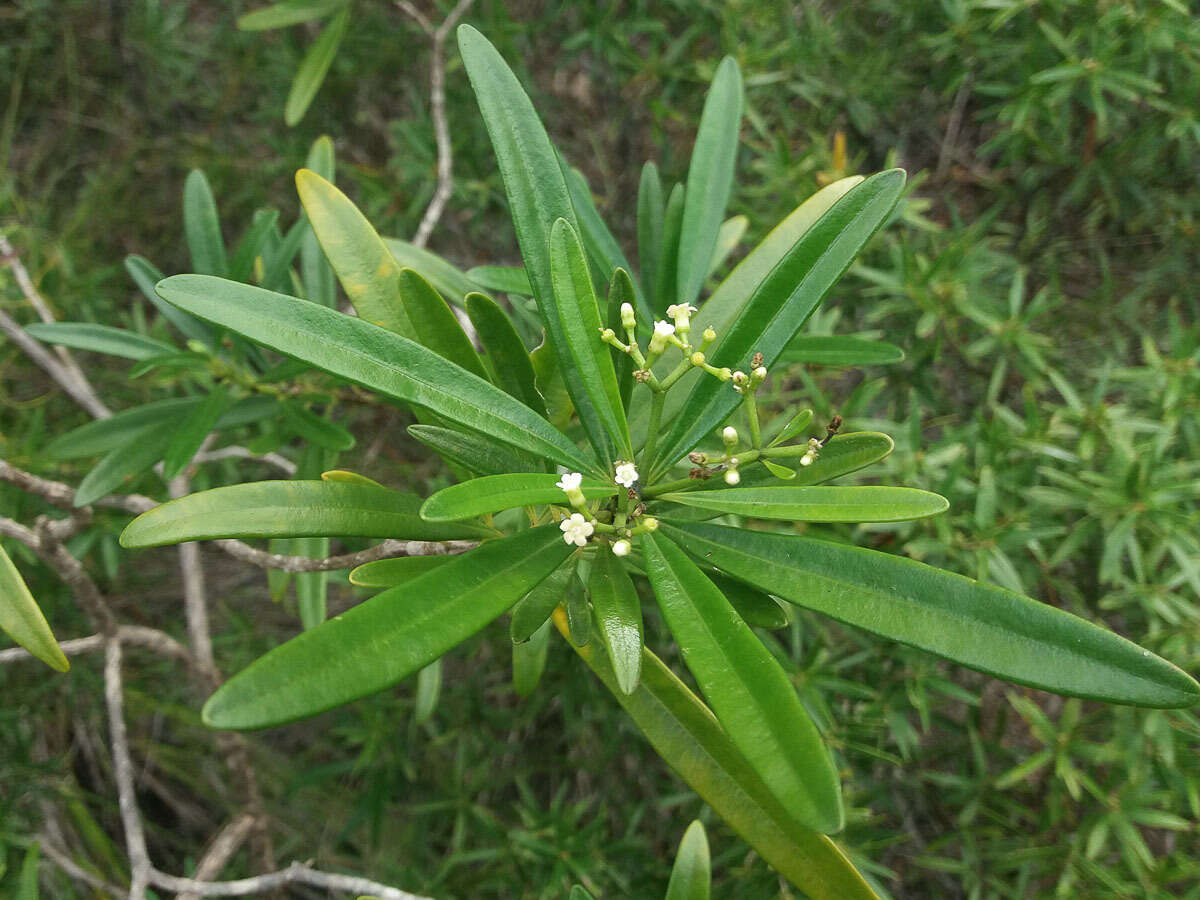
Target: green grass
{"type": "Point", "coordinates": [1041, 282]}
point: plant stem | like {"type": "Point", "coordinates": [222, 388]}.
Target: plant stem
{"type": "Point", "coordinates": [656, 408]}
{"type": "Point", "coordinates": [752, 416]}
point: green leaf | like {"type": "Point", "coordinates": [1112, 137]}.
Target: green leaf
{"type": "Point", "coordinates": [99, 339]}
{"type": "Point", "coordinates": [266, 509]}
{"type": "Point", "coordinates": [710, 180]}
{"type": "Point", "coordinates": [731, 234]}
{"type": "Point", "coordinates": [192, 431]}
{"type": "Point", "coordinates": [795, 425]}
{"type": "Point", "coordinates": [315, 429]}
{"type": "Point", "coordinates": [121, 466]}
{"type": "Point", "coordinates": [22, 620]}
{"type": "Point", "coordinates": [429, 688]}
{"type": "Point", "coordinates": [980, 626]}
{"type": "Point", "coordinates": [146, 276]}
{"type": "Point", "coordinates": [650, 212]}
{"type": "Point", "coordinates": [619, 616]}
{"type": "Point", "coordinates": [666, 289]}
{"type": "Point", "coordinates": [840, 351]}
{"type": "Point", "coordinates": [691, 876]}
{"type": "Point", "coordinates": [312, 588]}
{"type": "Point", "coordinates": [579, 615]}
{"type": "Point", "coordinates": [345, 477]}
{"type": "Point", "coordinates": [364, 266]}
{"type": "Point", "coordinates": [688, 737]}
{"type": "Point", "coordinates": [601, 246]}
{"type": "Point", "coordinates": [588, 358]}
{"type": "Point", "coordinates": [202, 227]}
{"type": "Point", "coordinates": [289, 12]}
{"type": "Point", "coordinates": [503, 279]}
{"type": "Point", "coordinates": [752, 697]}
{"type": "Point", "coordinates": [493, 493]}
{"type": "Point", "coordinates": [320, 285]}
{"type": "Point", "coordinates": [377, 359]}
{"type": "Point", "coordinates": [314, 67]}
{"type": "Point", "coordinates": [104, 435]}
{"type": "Point", "coordinates": [756, 608]}
{"type": "Point", "coordinates": [529, 660]}
{"type": "Point", "coordinates": [844, 454]}
{"type": "Point", "coordinates": [536, 606]}
{"type": "Point", "coordinates": [620, 291]}
{"type": "Point", "coordinates": [469, 451]}
{"type": "Point", "coordinates": [387, 638]}
{"type": "Point", "coordinates": [506, 354]}
{"type": "Point", "coordinates": [782, 302]}
{"type": "Point", "coordinates": [252, 245]}
{"type": "Point", "coordinates": [449, 280]}
{"type": "Point", "coordinates": [550, 385]}
{"type": "Point", "coordinates": [819, 504]}
{"type": "Point", "coordinates": [537, 199]}
{"type": "Point", "coordinates": [386, 573]}
{"type": "Point", "coordinates": [27, 881]}
{"type": "Point", "coordinates": [779, 471]}
{"type": "Point", "coordinates": [434, 325]}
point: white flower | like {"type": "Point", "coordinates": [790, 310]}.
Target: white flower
{"type": "Point", "coordinates": [807, 458]}
{"type": "Point", "coordinates": [665, 329]}
{"type": "Point", "coordinates": [627, 474]}
{"type": "Point", "coordinates": [621, 548]}
{"type": "Point", "coordinates": [662, 332]}
{"type": "Point", "coordinates": [732, 477]}
{"type": "Point", "coordinates": [576, 529]}
{"type": "Point", "coordinates": [570, 481]}
{"type": "Point", "coordinates": [680, 309]}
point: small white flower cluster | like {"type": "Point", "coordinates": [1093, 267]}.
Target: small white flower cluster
{"type": "Point", "coordinates": [578, 527]}
{"type": "Point", "coordinates": [814, 450]}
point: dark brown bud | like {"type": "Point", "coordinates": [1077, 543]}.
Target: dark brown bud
{"type": "Point", "coordinates": [697, 457]}
{"type": "Point", "coordinates": [700, 473]}
{"type": "Point", "coordinates": [756, 360]}
{"type": "Point", "coordinates": [641, 375]}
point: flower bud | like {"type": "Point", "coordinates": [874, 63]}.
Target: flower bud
{"type": "Point", "coordinates": [628, 317]}
{"type": "Point", "coordinates": [732, 477]}
{"type": "Point", "coordinates": [697, 358]}
{"type": "Point", "coordinates": [730, 436]}
{"type": "Point", "coordinates": [621, 548]}
{"type": "Point", "coordinates": [662, 332]}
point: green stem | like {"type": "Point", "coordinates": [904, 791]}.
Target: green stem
{"type": "Point", "coordinates": [752, 415]}
{"type": "Point", "coordinates": [682, 369]}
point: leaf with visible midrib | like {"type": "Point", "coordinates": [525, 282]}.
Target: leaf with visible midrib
{"type": "Point", "coordinates": [868, 503]}
{"type": "Point", "coordinates": [493, 493]}
{"type": "Point", "coordinates": [278, 509]}
{"type": "Point", "coordinates": [978, 625]}
{"type": "Point", "coordinates": [22, 620]}
{"type": "Point", "coordinates": [373, 357]}
{"type": "Point", "coordinates": [389, 637]}
{"type": "Point", "coordinates": [749, 692]}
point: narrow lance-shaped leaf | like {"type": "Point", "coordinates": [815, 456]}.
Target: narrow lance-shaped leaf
{"type": "Point", "coordinates": [312, 588]}
{"type": "Point", "coordinates": [493, 493]}
{"type": "Point", "coordinates": [684, 732]}
{"type": "Point", "coordinates": [122, 465]}
{"type": "Point", "coordinates": [386, 573]}
{"type": "Point", "coordinates": [429, 688]}
{"type": "Point", "coordinates": [506, 354]}
{"type": "Point", "coordinates": [377, 359]}
{"type": "Point", "coordinates": [666, 288]}
{"type": "Point", "coordinates": [749, 692]}
{"type": "Point", "coordinates": [782, 302]}
{"type": "Point", "coordinates": [202, 226]}
{"type": "Point", "coordinates": [450, 281]}
{"type": "Point", "coordinates": [529, 660]}
{"type": "Point", "coordinates": [192, 431]}
{"type": "Point", "coordinates": [387, 638]}
{"type": "Point", "coordinates": [537, 198]}
{"type": "Point", "coordinates": [649, 228]}
{"type": "Point", "coordinates": [620, 292]}
{"type": "Point", "coordinates": [434, 325]}
{"type": "Point", "coordinates": [710, 179]}
{"type": "Point", "coordinates": [868, 503]}
{"type": "Point", "coordinates": [536, 606]}
{"type": "Point", "coordinates": [146, 276]}
{"type": "Point", "coordinates": [468, 451]}
{"type": "Point", "coordinates": [290, 509]}
{"type": "Point", "coordinates": [691, 876]}
{"type": "Point", "coordinates": [104, 435]}
{"type": "Point", "coordinates": [589, 357]}
{"type": "Point", "coordinates": [601, 246]}
{"type": "Point", "coordinates": [504, 279]}
{"type": "Point", "coordinates": [316, 429]}
{"type": "Point", "coordinates": [252, 245]}
{"type": "Point", "coordinates": [22, 620]}
{"type": "Point", "coordinates": [984, 627]}
{"type": "Point", "coordinates": [619, 617]}
{"type": "Point", "coordinates": [289, 12]}
{"type": "Point", "coordinates": [364, 266]}
{"type": "Point", "coordinates": [99, 339]}
{"type": "Point", "coordinates": [314, 67]}
{"type": "Point", "coordinates": [317, 274]}
{"type": "Point", "coordinates": [731, 234]}
{"type": "Point", "coordinates": [827, 350]}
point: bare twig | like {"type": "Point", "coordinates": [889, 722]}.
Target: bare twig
{"type": "Point", "coordinates": [282, 463]}
{"type": "Point", "coordinates": [195, 601]}
{"type": "Point", "coordinates": [79, 390]}
{"type": "Point", "coordinates": [437, 104]}
{"type": "Point", "coordinates": [221, 850]}
{"type": "Point", "coordinates": [954, 125]}
{"type": "Point", "coordinates": [387, 550]}
{"type": "Point", "coordinates": [86, 396]}
{"type": "Point", "coordinates": [296, 873]}
{"type": "Point", "coordinates": [131, 820]}
{"type": "Point", "coordinates": [133, 635]}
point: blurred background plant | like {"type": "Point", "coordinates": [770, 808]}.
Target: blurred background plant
{"type": "Point", "coordinates": [1041, 284]}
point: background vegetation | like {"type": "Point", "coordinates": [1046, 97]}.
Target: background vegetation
{"type": "Point", "coordinates": [1042, 281]}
